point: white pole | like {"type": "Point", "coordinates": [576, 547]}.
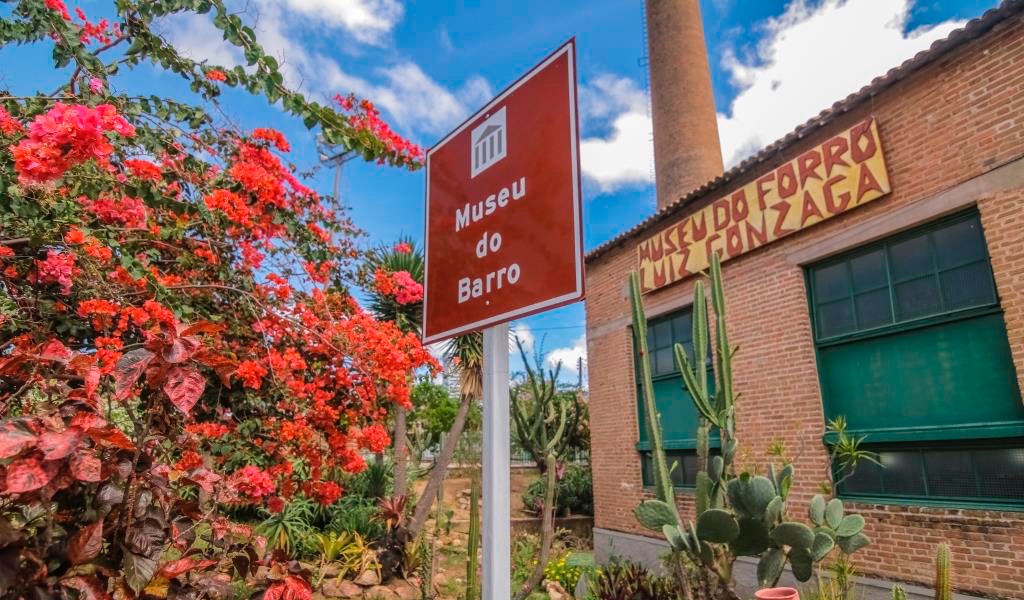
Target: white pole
{"type": "Point", "coordinates": [497, 535]}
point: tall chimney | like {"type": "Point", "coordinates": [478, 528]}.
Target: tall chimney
{"type": "Point", "coordinates": [687, 152]}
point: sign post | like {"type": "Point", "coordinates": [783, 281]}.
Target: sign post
{"type": "Point", "coordinates": [504, 240]}
{"type": "Point", "coordinates": [497, 573]}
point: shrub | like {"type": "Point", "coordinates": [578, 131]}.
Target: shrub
{"type": "Point", "coordinates": [567, 568]}
{"type": "Point", "coordinates": [620, 580]}
{"type": "Point", "coordinates": [575, 493]}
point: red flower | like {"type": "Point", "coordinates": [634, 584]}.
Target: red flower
{"type": "Point", "coordinates": [8, 124]}
{"type": "Point", "coordinates": [273, 136]}
{"type": "Point", "coordinates": [216, 75]}
{"type": "Point", "coordinates": [251, 373]}
{"type": "Point", "coordinates": [403, 248]}
{"type": "Point", "coordinates": [57, 268]}
{"type": "Point", "coordinates": [74, 236]}
{"type": "Point", "coordinates": [375, 438]}
{"type": "Point", "coordinates": [66, 136]}
{"type": "Point", "coordinates": [127, 211]}
{"type": "Point", "coordinates": [143, 169]}
{"type": "Point", "coordinates": [275, 504]}
{"type": "Point", "coordinates": [58, 7]}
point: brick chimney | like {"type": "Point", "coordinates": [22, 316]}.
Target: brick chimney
{"type": "Point", "coordinates": [687, 151]}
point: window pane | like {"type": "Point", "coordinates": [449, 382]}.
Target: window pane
{"type": "Point", "coordinates": [869, 271]}
{"type": "Point", "coordinates": [866, 479]}
{"type": "Point", "coordinates": [902, 473]}
{"type": "Point", "coordinates": [959, 243]}
{"type": "Point", "coordinates": [663, 361]}
{"type": "Point", "coordinates": [682, 328]}
{"type": "Point", "coordinates": [835, 318]}
{"type": "Point", "coordinates": [950, 474]}
{"type": "Point", "coordinates": [910, 258]}
{"type": "Point", "coordinates": [917, 298]}
{"type": "Point", "coordinates": [662, 335]}
{"type": "Point", "coordinates": [967, 286]}
{"type": "Point", "coordinates": [873, 309]}
{"type": "Point", "coordinates": [1001, 473]}
{"type": "Point", "coordinates": [831, 283]}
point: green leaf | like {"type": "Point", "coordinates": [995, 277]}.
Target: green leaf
{"type": "Point", "coordinates": [769, 568]}
{"type": "Point", "coordinates": [851, 544]}
{"type": "Point", "coordinates": [655, 514]}
{"type": "Point", "coordinates": [816, 511]}
{"type": "Point", "coordinates": [791, 533]}
{"type": "Point", "coordinates": [803, 566]}
{"type": "Point", "coordinates": [823, 544]}
{"type": "Point", "coordinates": [717, 526]}
{"type": "Point", "coordinates": [753, 539]}
{"type": "Point", "coordinates": [834, 512]}
{"type": "Point", "coordinates": [850, 525]}
{"type": "Point", "coordinates": [675, 538]}
{"type": "Point", "coordinates": [773, 513]}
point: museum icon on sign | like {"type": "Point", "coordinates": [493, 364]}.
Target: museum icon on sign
{"type": "Point", "coordinates": [489, 143]}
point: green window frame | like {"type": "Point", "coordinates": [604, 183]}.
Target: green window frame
{"type": "Point", "coordinates": [907, 331]}
{"type": "Point", "coordinates": [678, 415]}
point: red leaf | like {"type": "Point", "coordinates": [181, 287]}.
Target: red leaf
{"type": "Point", "coordinates": [14, 439]}
{"type": "Point", "coordinates": [92, 381]}
{"type": "Point", "coordinates": [204, 478]}
{"type": "Point", "coordinates": [202, 327]}
{"type": "Point", "coordinates": [86, 467]}
{"type": "Point", "coordinates": [87, 420]}
{"type": "Point", "coordinates": [87, 586]}
{"type": "Point", "coordinates": [291, 588]}
{"type": "Point", "coordinates": [28, 474]}
{"type": "Point", "coordinates": [113, 436]}
{"type": "Point", "coordinates": [183, 387]}
{"type": "Point", "coordinates": [58, 444]}
{"type": "Point", "coordinates": [184, 565]}
{"type": "Point", "coordinates": [181, 350]}
{"type": "Point", "coordinates": [86, 544]}
{"type": "Point", "coordinates": [128, 370]}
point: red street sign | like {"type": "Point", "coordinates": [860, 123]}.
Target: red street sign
{"type": "Point", "coordinates": [504, 234]}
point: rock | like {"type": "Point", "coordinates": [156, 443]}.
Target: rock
{"type": "Point", "coordinates": [340, 588]}
{"type": "Point", "coordinates": [368, 578]}
{"type": "Point", "coordinates": [330, 570]}
{"type": "Point", "coordinates": [405, 590]}
{"type": "Point", "coordinates": [556, 591]}
{"type": "Point", "coordinates": [379, 592]}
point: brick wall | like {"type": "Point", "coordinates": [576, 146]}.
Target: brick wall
{"type": "Point", "coordinates": [949, 123]}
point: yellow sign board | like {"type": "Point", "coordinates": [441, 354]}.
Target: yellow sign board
{"type": "Point", "coordinates": [840, 174]}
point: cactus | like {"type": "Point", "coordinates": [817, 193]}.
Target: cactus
{"type": "Point", "coordinates": [472, 586]}
{"type": "Point", "coordinates": [898, 593]}
{"type": "Point", "coordinates": [426, 570]}
{"type": "Point", "coordinates": [737, 515]}
{"type": "Point", "coordinates": [943, 589]}
{"type": "Point", "coordinates": [542, 425]}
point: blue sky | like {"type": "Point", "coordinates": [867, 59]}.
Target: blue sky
{"type": "Point", "coordinates": [430, 63]}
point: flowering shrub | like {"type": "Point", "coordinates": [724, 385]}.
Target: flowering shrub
{"type": "Point", "coordinates": [157, 363]}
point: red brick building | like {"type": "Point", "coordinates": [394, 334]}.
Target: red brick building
{"type": "Point", "coordinates": [884, 284]}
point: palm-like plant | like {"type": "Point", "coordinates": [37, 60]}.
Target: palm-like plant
{"type": "Point", "coordinates": [405, 255]}
{"type": "Point", "coordinates": [289, 529]}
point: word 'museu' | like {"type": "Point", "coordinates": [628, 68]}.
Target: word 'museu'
{"type": "Point", "coordinates": [473, 212]}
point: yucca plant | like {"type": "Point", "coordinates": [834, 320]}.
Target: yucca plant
{"type": "Point", "coordinates": [288, 529]}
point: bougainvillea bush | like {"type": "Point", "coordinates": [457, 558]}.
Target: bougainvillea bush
{"type": "Point", "coordinates": [177, 343]}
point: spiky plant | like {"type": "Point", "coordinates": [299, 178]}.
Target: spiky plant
{"type": "Point", "coordinates": [943, 587]}
{"type": "Point", "coordinates": [405, 255]}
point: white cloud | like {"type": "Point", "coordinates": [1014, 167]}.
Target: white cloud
{"type": "Point", "coordinates": [811, 57]}
{"type": "Point", "coordinates": [411, 100]}
{"type": "Point", "coordinates": [570, 356]}
{"type": "Point", "coordinates": [368, 21]}
{"type": "Point", "coordinates": [624, 157]}
{"type": "Point", "coordinates": [196, 37]}
{"type": "Point", "coordinates": [525, 336]}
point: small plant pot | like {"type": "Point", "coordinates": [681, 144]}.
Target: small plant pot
{"type": "Point", "coordinates": [782, 593]}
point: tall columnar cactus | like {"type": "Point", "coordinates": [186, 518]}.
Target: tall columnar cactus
{"type": "Point", "coordinates": [544, 418]}
{"type": "Point", "coordinates": [943, 588]}
{"type": "Point", "coordinates": [472, 586]}
{"type": "Point", "coordinates": [737, 515]}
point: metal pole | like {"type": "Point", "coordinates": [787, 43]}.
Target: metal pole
{"type": "Point", "coordinates": [497, 534]}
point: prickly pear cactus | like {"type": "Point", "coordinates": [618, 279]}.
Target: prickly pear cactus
{"type": "Point", "coordinates": [898, 593]}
